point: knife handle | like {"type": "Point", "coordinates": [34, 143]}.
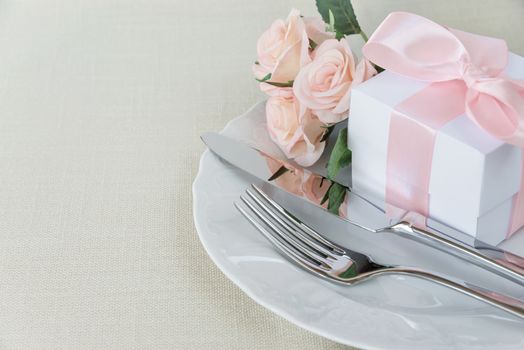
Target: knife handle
{"type": "Point", "coordinates": [500, 267]}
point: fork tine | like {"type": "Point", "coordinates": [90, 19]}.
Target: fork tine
{"type": "Point", "coordinates": [295, 231]}
{"type": "Point", "coordinates": [296, 222]}
{"type": "Point", "coordinates": [292, 241]}
{"type": "Point", "coordinates": [282, 245]}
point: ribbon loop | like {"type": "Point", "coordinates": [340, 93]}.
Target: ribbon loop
{"type": "Point", "coordinates": [414, 46]}
{"type": "Point", "coordinates": [497, 106]}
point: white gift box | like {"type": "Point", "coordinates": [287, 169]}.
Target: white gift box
{"type": "Point", "coordinates": [474, 176]}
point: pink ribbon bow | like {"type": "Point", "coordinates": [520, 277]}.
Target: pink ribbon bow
{"type": "Point", "coordinates": [420, 49]}
{"type": "Point", "coordinates": [466, 75]}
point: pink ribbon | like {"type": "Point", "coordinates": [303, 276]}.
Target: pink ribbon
{"type": "Point", "coordinates": [466, 72]}
{"type": "Point", "coordinates": [411, 143]}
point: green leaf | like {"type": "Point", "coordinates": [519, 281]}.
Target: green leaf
{"type": "Point", "coordinates": [337, 194]}
{"type": "Point", "coordinates": [288, 84]}
{"type": "Point", "coordinates": [338, 35]}
{"type": "Point", "coordinates": [264, 79]}
{"type": "Point", "coordinates": [268, 76]}
{"type": "Point", "coordinates": [340, 155]}
{"type": "Point", "coordinates": [327, 132]}
{"type": "Point", "coordinates": [326, 195]}
{"type": "Point", "coordinates": [281, 171]}
{"type": "Point", "coordinates": [343, 15]}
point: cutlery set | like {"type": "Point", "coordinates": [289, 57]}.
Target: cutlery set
{"type": "Point", "coordinates": [312, 251]}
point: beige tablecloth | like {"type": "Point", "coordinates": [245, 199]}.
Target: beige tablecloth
{"type": "Point", "coordinates": [101, 106]}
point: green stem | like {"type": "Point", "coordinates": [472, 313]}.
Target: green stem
{"type": "Point", "coordinates": [364, 36]}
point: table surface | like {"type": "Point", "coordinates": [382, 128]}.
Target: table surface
{"type": "Point", "coordinates": [101, 106]}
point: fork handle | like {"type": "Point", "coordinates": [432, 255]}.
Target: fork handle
{"type": "Point", "coordinates": [503, 302]}
{"type": "Point", "coordinates": [499, 267]}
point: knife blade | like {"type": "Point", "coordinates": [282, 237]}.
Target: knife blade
{"type": "Point", "coordinates": [438, 236]}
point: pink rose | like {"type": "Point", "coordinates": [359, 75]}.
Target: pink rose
{"type": "Point", "coordinates": [316, 30]}
{"type": "Point", "coordinates": [291, 180]}
{"type": "Point", "coordinates": [283, 49]}
{"type": "Point", "coordinates": [324, 85]}
{"type": "Point", "coordinates": [295, 130]}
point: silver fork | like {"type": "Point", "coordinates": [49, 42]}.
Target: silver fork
{"type": "Point", "coordinates": [311, 251]}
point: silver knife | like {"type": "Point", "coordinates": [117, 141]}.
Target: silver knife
{"type": "Point", "coordinates": [439, 236]}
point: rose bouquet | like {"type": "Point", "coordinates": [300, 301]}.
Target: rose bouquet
{"type": "Point", "coordinates": [306, 67]}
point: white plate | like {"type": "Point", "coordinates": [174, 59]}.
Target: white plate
{"type": "Point", "coordinates": [390, 312]}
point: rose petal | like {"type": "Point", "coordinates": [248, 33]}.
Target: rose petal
{"type": "Point", "coordinates": [316, 30]}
